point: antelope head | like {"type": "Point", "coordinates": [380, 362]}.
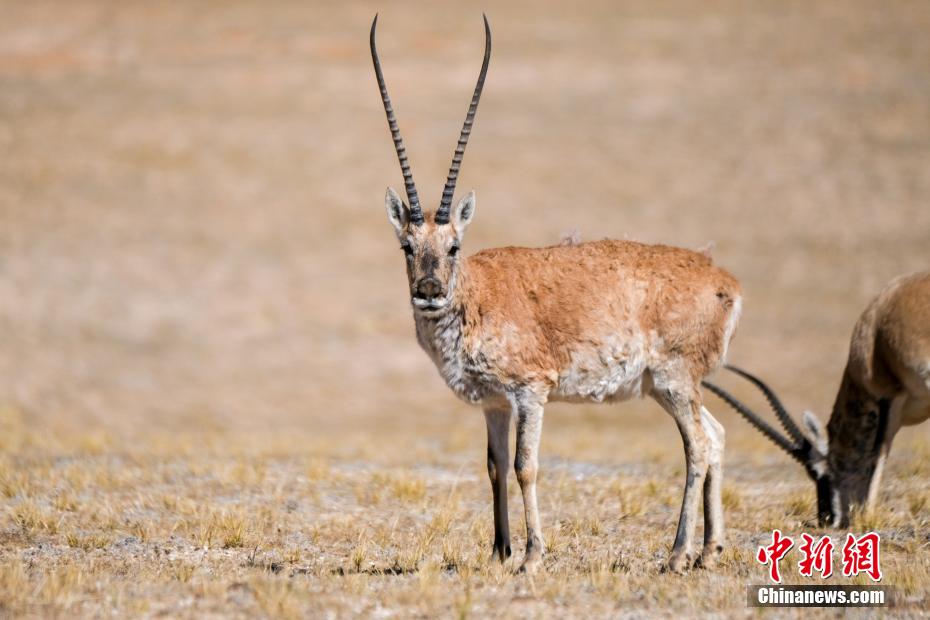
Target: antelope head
{"type": "Point", "coordinates": [810, 449]}
{"type": "Point", "coordinates": [430, 240]}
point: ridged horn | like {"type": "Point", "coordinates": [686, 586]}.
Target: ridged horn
{"type": "Point", "coordinates": [795, 451]}
{"type": "Point", "coordinates": [416, 213]}
{"type": "Point", "coordinates": [445, 204]}
{"type": "Point", "coordinates": [780, 412]}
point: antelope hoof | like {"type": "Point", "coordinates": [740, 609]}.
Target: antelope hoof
{"type": "Point", "coordinates": [679, 562]}
{"type": "Point", "coordinates": [710, 556]}
{"type": "Point", "coordinates": [501, 554]}
{"type": "Point", "coordinates": [531, 563]}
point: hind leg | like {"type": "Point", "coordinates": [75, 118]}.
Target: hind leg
{"type": "Point", "coordinates": [713, 487]}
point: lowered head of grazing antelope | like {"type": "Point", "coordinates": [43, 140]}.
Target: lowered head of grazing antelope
{"type": "Point", "coordinates": [430, 240]}
{"type": "Point", "coordinates": [886, 385]}
{"type": "Point", "coordinates": [811, 452]}
{"type": "Point", "coordinates": [511, 329]}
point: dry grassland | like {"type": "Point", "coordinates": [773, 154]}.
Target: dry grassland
{"type": "Point", "coordinates": [211, 401]}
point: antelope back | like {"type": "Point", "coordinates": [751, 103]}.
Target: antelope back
{"type": "Point", "coordinates": [540, 311]}
{"type": "Point", "coordinates": [890, 345]}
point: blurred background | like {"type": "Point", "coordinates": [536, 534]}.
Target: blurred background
{"type": "Point", "coordinates": [192, 236]}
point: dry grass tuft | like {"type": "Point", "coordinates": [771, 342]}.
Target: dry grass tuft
{"type": "Point", "coordinates": [403, 487]}
{"type": "Point", "coordinates": [732, 499]}
{"type": "Point", "coordinates": [87, 542]}
{"type": "Point", "coordinates": [34, 520]}
{"type": "Point", "coordinates": [881, 517]}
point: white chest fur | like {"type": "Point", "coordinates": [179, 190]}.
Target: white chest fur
{"type": "Point", "coordinates": [443, 341]}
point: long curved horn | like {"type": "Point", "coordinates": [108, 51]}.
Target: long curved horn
{"type": "Point", "coordinates": [795, 451]}
{"type": "Point", "coordinates": [780, 412]}
{"type": "Point", "coordinates": [442, 214]}
{"type": "Point", "coordinates": [416, 214]}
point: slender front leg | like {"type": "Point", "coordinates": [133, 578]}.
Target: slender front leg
{"type": "Point", "coordinates": [713, 487]}
{"type": "Point", "coordinates": [686, 410]}
{"type": "Point", "coordinates": [889, 424]}
{"type": "Point", "coordinates": [529, 413]}
{"type": "Point", "coordinates": [498, 421]}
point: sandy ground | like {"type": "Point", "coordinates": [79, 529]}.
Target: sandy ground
{"type": "Point", "coordinates": [211, 401]}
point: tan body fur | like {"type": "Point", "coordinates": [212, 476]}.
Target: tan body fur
{"type": "Point", "coordinates": [592, 321]}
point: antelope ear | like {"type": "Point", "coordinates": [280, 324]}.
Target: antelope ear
{"type": "Point", "coordinates": [816, 430]}
{"type": "Point", "coordinates": [397, 211]}
{"type": "Point", "coordinates": [464, 211]}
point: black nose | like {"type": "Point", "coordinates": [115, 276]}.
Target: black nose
{"type": "Point", "coordinates": [429, 288]}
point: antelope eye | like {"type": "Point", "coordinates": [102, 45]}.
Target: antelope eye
{"type": "Point", "coordinates": [454, 249]}
{"type": "Point", "coordinates": [407, 249]}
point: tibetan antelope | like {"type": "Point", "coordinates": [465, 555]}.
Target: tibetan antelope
{"type": "Point", "coordinates": [886, 385]}
{"type": "Point", "coordinates": [511, 329]}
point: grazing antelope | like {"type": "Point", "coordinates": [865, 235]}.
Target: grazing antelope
{"type": "Point", "coordinates": [886, 385]}
{"type": "Point", "coordinates": [511, 329]}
